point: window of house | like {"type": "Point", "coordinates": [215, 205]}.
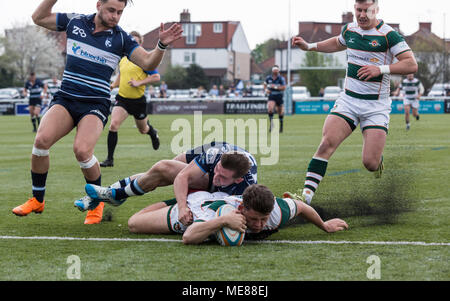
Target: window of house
{"type": "Point", "coordinates": [328, 28]}
{"type": "Point", "coordinates": [193, 57]}
{"type": "Point", "coordinates": [191, 32]}
{"type": "Point", "coordinates": [187, 57]}
{"type": "Point", "coordinates": [218, 27]}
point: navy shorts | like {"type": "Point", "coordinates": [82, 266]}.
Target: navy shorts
{"type": "Point", "coordinates": [78, 109]}
{"type": "Point", "coordinates": [278, 99]}
{"type": "Point", "coordinates": [37, 102]}
{"type": "Point", "coordinates": [135, 107]}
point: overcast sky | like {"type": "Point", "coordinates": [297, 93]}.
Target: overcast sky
{"type": "Point", "coordinates": [261, 19]}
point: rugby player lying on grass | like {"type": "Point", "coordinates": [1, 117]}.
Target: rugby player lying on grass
{"type": "Point", "coordinates": [258, 214]}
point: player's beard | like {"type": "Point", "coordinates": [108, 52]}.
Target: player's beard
{"type": "Point", "coordinates": [104, 22]}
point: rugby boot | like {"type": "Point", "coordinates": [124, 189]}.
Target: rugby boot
{"type": "Point", "coordinates": [32, 205]}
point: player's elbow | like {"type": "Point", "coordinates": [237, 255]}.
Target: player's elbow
{"type": "Point", "coordinates": [414, 67]}
{"type": "Point", "coordinates": [189, 239]}
{"type": "Point", "coordinates": [36, 18]}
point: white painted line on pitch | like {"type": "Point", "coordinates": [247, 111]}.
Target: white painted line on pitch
{"type": "Point", "coordinates": [311, 242]}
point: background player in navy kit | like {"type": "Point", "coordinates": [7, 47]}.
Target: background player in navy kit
{"type": "Point", "coordinates": [275, 85]}
{"type": "Point", "coordinates": [36, 90]}
{"type": "Point", "coordinates": [217, 166]}
{"type": "Point", "coordinates": [95, 45]}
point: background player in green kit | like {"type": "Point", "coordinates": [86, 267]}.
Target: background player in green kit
{"type": "Point", "coordinates": [411, 89]}
{"type": "Point", "coordinates": [374, 51]}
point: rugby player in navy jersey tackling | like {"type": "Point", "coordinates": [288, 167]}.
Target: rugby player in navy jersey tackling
{"type": "Point", "coordinates": [95, 45]}
{"type": "Point", "coordinates": [218, 166]}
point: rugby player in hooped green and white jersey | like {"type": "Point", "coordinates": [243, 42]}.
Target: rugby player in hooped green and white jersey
{"type": "Point", "coordinates": [258, 213]}
{"type": "Point", "coordinates": [374, 51]}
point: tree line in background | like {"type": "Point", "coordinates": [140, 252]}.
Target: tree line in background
{"type": "Point", "coordinates": [28, 49]}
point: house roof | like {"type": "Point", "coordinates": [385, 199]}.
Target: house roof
{"type": "Point", "coordinates": [208, 38]}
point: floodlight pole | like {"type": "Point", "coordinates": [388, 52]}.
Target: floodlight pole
{"type": "Point", "coordinates": [288, 97]}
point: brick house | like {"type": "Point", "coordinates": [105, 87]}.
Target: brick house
{"type": "Point", "coordinates": [219, 47]}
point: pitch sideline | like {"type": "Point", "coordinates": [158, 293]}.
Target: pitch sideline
{"type": "Point", "coordinates": [314, 242]}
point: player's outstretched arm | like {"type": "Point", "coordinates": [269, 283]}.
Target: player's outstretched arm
{"type": "Point", "coordinates": [154, 78]}
{"type": "Point", "coordinates": [190, 175]}
{"type": "Point", "coordinates": [311, 215]}
{"type": "Point", "coordinates": [43, 15]}
{"type": "Point", "coordinates": [198, 232]}
{"type": "Point", "coordinates": [327, 46]}
{"type": "Point", "coordinates": [151, 60]}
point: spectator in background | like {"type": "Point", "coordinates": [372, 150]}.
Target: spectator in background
{"type": "Point", "coordinates": [231, 92]}
{"type": "Point", "coordinates": [222, 91]}
{"type": "Point", "coordinates": [200, 92]}
{"type": "Point", "coordinates": [163, 90]}
{"type": "Point", "coordinates": [247, 92]}
{"type": "Point", "coordinates": [321, 92]}
{"type": "Point", "coordinates": [214, 92]}
{"type": "Point", "coordinates": [151, 92]}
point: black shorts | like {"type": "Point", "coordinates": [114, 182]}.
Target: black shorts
{"type": "Point", "coordinates": [278, 99]}
{"type": "Point", "coordinates": [135, 107]}
{"type": "Point", "coordinates": [78, 109]}
{"type": "Point", "coordinates": [37, 102]}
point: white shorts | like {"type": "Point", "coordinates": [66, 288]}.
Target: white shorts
{"type": "Point", "coordinates": [369, 114]}
{"type": "Point", "coordinates": [195, 202]}
{"type": "Point", "coordinates": [172, 220]}
{"type": "Point", "coordinates": [414, 103]}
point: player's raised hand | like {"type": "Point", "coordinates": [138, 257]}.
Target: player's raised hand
{"type": "Point", "coordinates": [335, 225]}
{"type": "Point", "coordinates": [300, 42]}
{"type": "Point", "coordinates": [170, 35]}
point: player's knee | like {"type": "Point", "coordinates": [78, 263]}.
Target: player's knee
{"type": "Point", "coordinates": [371, 164]}
{"type": "Point", "coordinates": [326, 145]}
{"type": "Point", "coordinates": [143, 130]}
{"type": "Point", "coordinates": [160, 167]}
{"type": "Point", "coordinates": [82, 153]}
{"type": "Point", "coordinates": [114, 126]}
{"type": "Point", "coordinates": [42, 142]}
{"type": "Point", "coordinates": [133, 226]}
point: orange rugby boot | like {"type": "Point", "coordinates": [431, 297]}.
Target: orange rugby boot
{"type": "Point", "coordinates": [32, 205]}
{"type": "Point", "coordinates": [95, 216]}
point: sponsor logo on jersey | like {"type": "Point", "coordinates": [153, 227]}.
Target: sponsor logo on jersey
{"type": "Point", "coordinates": [77, 50]}
{"type": "Point", "coordinates": [375, 43]}
{"type": "Point", "coordinates": [374, 60]}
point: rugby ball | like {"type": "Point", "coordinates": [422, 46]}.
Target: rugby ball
{"type": "Point", "coordinates": [227, 236]}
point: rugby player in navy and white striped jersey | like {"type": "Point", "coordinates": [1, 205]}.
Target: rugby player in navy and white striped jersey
{"type": "Point", "coordinates": [217, 166]}
{"type": "Point", "coordinates": [95, 45]}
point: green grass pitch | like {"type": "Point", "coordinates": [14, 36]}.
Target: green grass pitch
{"type": "Point", "coordinates": [410, 203]}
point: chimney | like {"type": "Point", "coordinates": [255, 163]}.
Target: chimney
{"type": "Point", "coordinates": [347, 17]}
{"type": "Point", "coordinates": [185, 16]}
{"type": "Point", "coordinates": [425, 26]}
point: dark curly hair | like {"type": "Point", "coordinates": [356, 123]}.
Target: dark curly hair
{"type": "Point", "coordinates": [259, 198]}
